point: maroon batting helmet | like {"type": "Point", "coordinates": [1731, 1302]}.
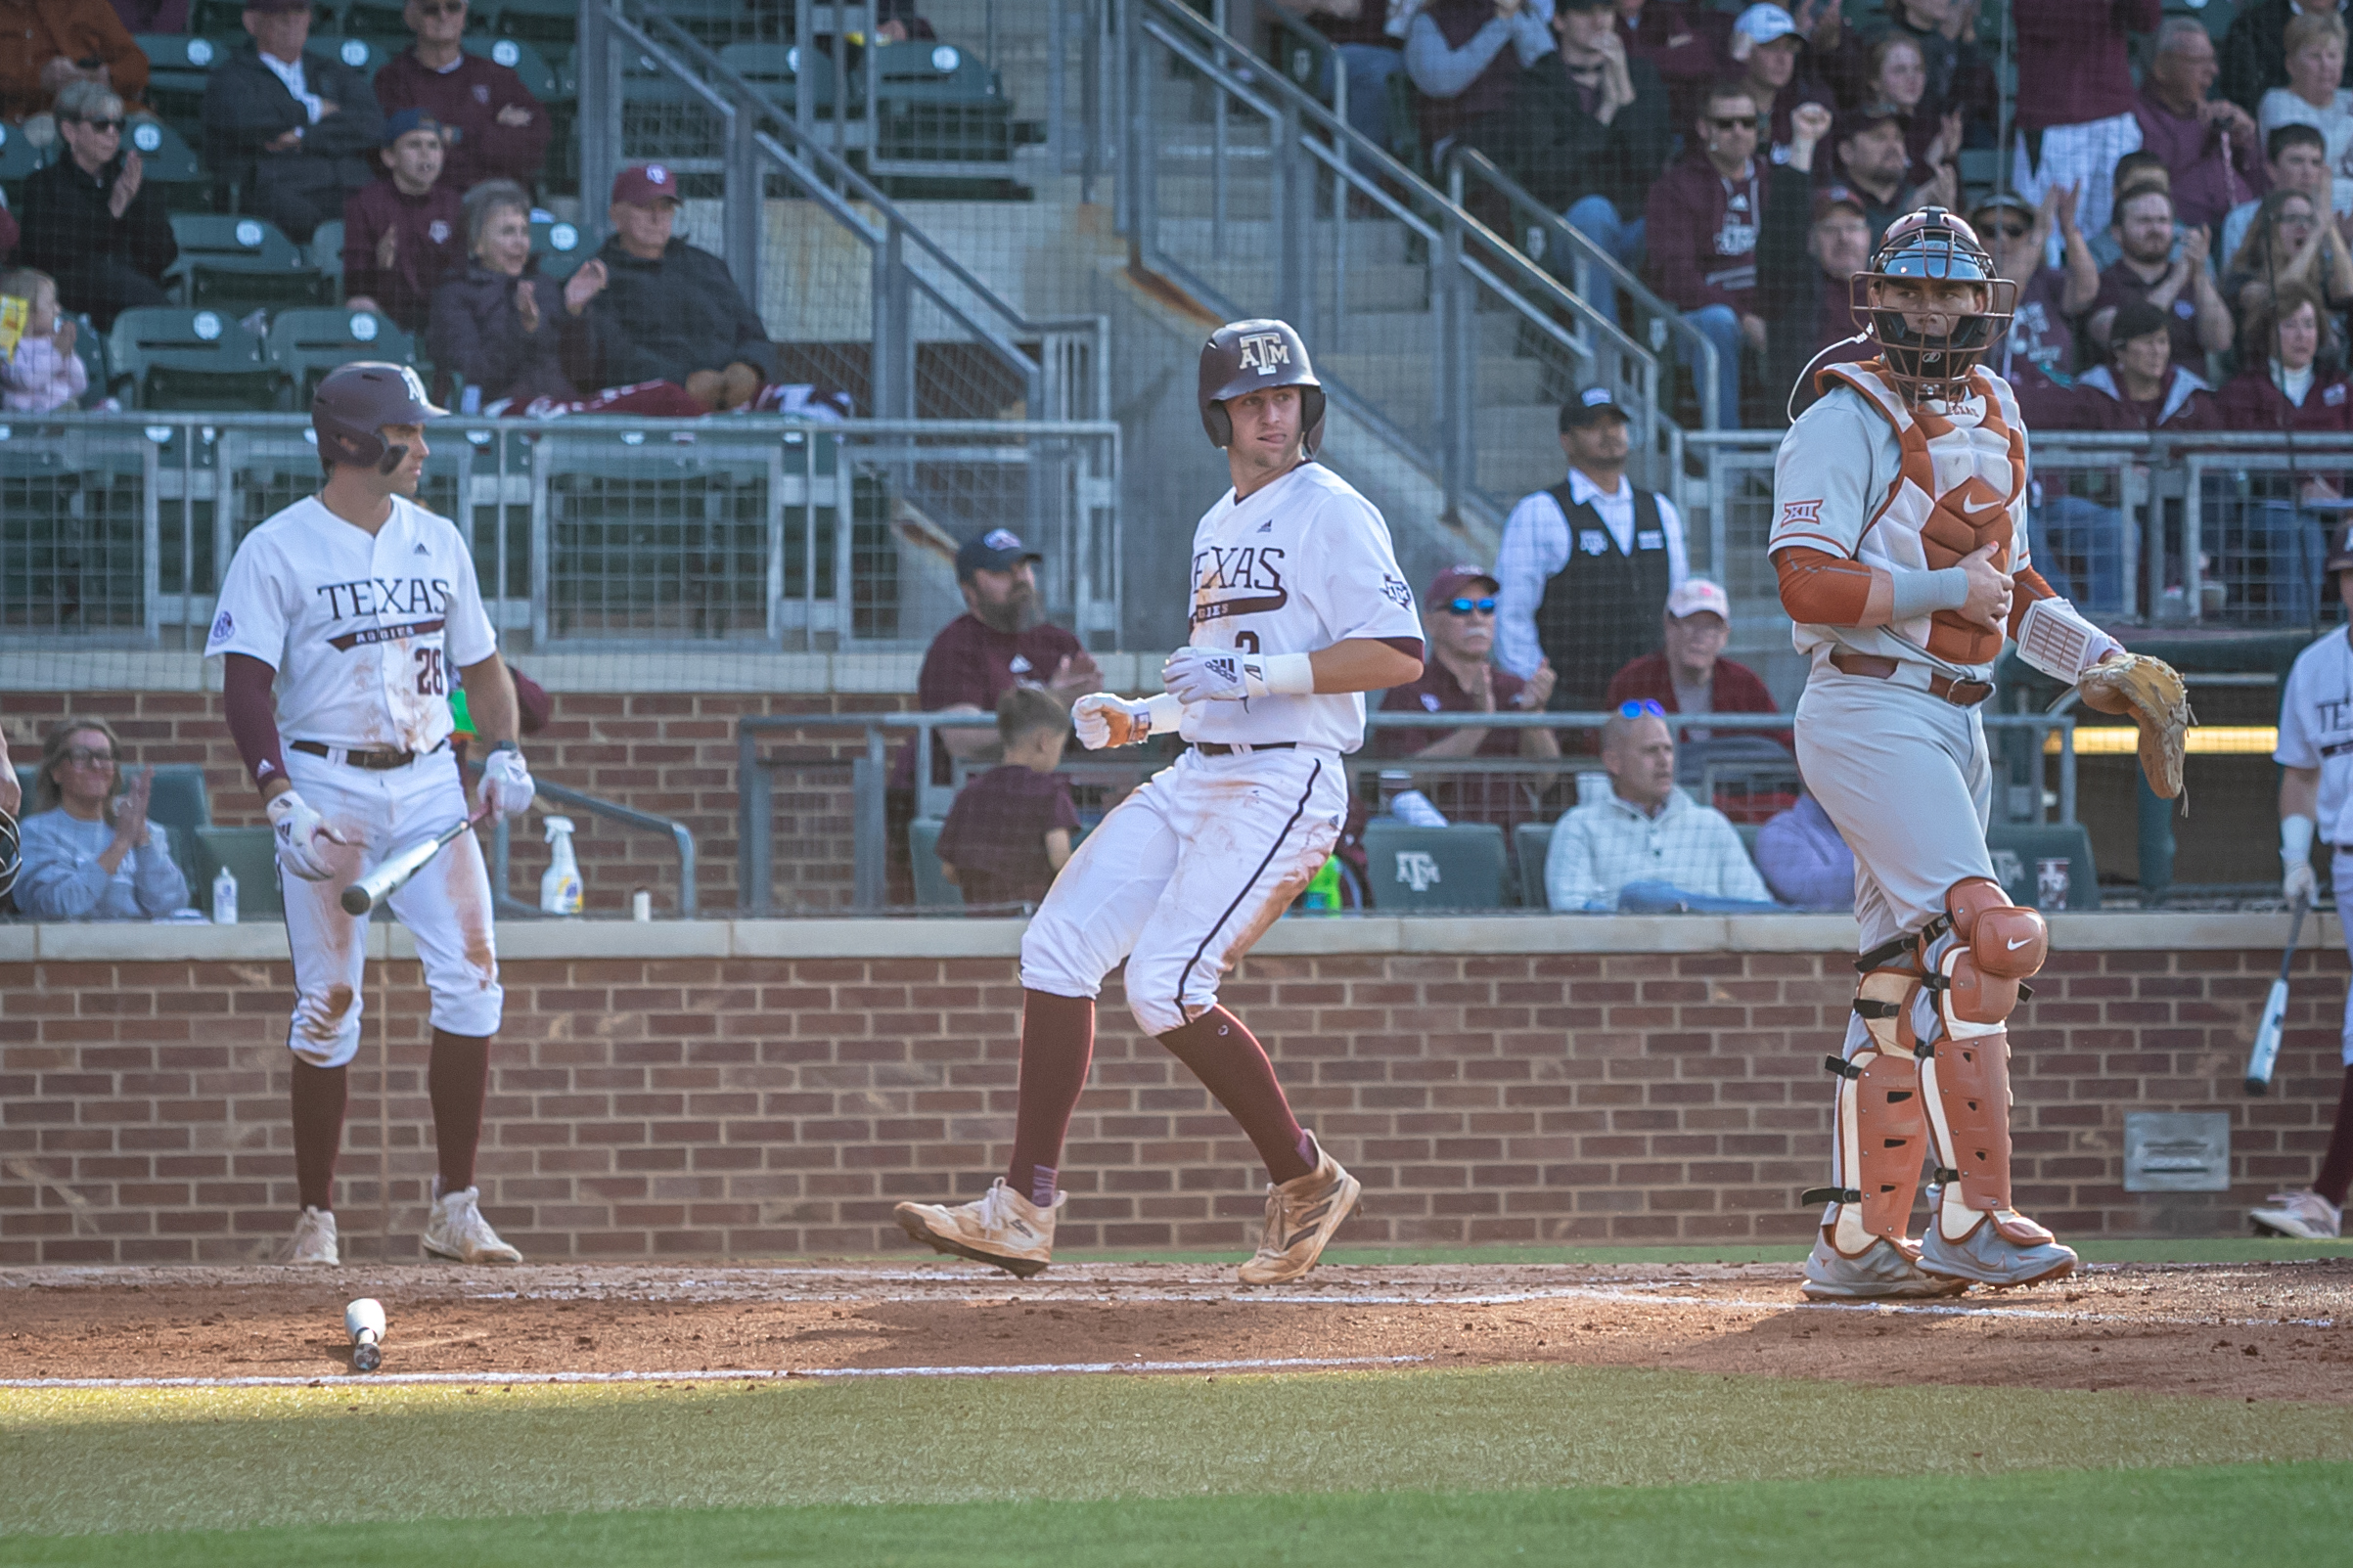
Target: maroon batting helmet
{"type": "Point", "coordinates": [354, 402]}
{"type": "Point", "coordinates": [1247, 356]}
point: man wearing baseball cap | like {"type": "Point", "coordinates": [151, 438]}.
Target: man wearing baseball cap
{"type": "Point", "coordinates": [1458, 625]}
{"type": "Point", "coordinates": [1868, 140]}
{"type": "Point", "coordinates": [1688, 673]}
{"type": "Point", "coordinates": [1580, 565]}
{"type": "Point", "coordinates": [406, 233]}
{"type": "Point", "coordinates": [1768, 48]}
{"type": "Point", "coordinates": [2041, 341]}
{"type": "Point", "coordinates": [1816, 236]}
{"type": "Point", "coordinates": [294, 129]}
{"type": "Point", "coordinates": [667, 311]}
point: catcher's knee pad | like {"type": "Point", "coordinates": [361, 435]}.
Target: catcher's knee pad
{"type": "Point", "coordinates": [1997, 945]}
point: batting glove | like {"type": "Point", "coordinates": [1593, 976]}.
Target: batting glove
{"type": "Point", "coordinates": [303, 836]}
{"type": "Point", "coordinates": [1102, 719]}
{"type": "Point", "coordinates": [507, 787]}
{"type": "Point", "coordinates": [2300, 883]}
{"type": "Point", "coordinates": [1222, 675]}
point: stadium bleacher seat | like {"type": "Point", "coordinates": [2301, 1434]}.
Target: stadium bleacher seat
{"type": "Point", "coordinates": [90, 347]}
{"type": "Point", "coordinates": [170, 357]}
{"type": "Point", "coordinates": [775, 69]}
{"type": "Point", "coordinates": [167, 162]}
{"type": "Point", "coordinates": [541, 21]}
{"type": "Point", "coordinates": [19, 157]}
{"type": "Point", "coordinates": [527, 61]}
{"type": "Point", "coordinates": [327, 255]}
{"type": "Point", "coordinates": [561, 247]}
{"type": "Point", "coordinates": [178, 67]}
{"type": "Point", "coordinates": [306, 343]}
{"type": "Point", "coordinates": [2019, 848]}
{"type": "Point", "coordinates": [240, 264]}
{"type": "Point", "coordinates": [252, 858]}
{"type": "Point", "coordinates": [933, 891]}
{"type": "Point", "coordinates": [1531, 841]}
{"type": "Point", "coordinates": [939, 102]}
{"type": "Point", "coordinates": [363, 55]}
{"type": "Point", "coordinates": [1454, 868]}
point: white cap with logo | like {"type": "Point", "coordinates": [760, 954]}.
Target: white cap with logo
{"type": "Point", "coordinates": [1695, 593]}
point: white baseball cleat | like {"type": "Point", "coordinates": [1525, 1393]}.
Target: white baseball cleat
{"type": "Point", "coordinates": [1887, 1270]}
{"type": "Point", "coordinates": [314, 1239]}
{"type": "Point", "coordinates": [1301, 1216]}
{"type": "Point", "coordinates": [1001, 1228]}
{"type": "Point", "coordinates": [456, 1229]}
{"type": "Point", "coordinates": [2307, 1216]}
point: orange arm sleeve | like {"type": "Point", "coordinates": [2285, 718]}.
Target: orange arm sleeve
{"type": "Point", "coordinates": [1827, 589]}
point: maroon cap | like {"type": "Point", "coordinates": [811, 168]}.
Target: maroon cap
{"type": "Point", "coordinates": [1449, 582]}
{"type": "Point", "coordinates": [644, 184]}
{"type": "Point", "coordinates": [1831, 198]}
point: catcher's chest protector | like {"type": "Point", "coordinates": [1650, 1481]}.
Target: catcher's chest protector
{"type": "Point", "coordinates": [1962, 473]}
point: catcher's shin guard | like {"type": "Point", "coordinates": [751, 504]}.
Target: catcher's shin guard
{"type": "Point", "coordinates": [1965, 1070]}
{"type": "Point", "coordinates": [1881, 1132]}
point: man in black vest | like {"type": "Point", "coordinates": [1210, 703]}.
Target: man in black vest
{"type": "Point", "coordinates": [1584, 566]}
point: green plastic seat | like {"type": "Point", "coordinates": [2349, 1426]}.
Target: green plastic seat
{"type": "Point", "coordinates": [1415, 868]}
{"type": "Point", "coordinates": [19, 157]}
{"type": "Point", "coordinates": [561, 247]}
{"type": "Point", "coordinates": [306, 345]}
{"type": "Point", "coordinates": [239, 264]}
{"type": "Point", "coordinates": [326, 250]}
{"type": "Point", "coordinates": [167, 160]}
{"type": "Point", "coordinates": [169, 357]}
{"type": "Point", "coordinates": [2018, 850]}
{"type": "Point", "coordinates": [775, 69]}
{"type": "Point", "coordinates": [178, 67]}
{"type": "Point", "coordinates": [523, 58]}
{"type": "Point", "coordinates": [932, 890]}
{"type": "Point", "coordinates": [1531, 843]}
{"type": "Point", "coordinates": [367, 55]}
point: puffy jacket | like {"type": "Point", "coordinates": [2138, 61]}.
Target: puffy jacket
{"type": "Point", "coordinates": [477, 336]}
{"type": "Point", "coordinates": [663, 320]}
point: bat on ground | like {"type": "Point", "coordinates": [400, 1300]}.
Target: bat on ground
{"type": "Point", "coordinates": [362, 896]}
{"type": "Point", "coordinates": [2260, 1060]}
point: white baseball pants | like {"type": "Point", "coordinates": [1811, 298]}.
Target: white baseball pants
{"type": "Point", "coordinates": [446, 905]}
{"type": "Point", "coordinates": [1183, 877]}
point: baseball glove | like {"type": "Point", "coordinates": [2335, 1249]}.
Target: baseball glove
{"type": "Point", "coordinates": [2149, 692]}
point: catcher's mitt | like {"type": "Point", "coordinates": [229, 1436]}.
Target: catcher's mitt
{"type": "Point", "coordinates": [2150, 692]}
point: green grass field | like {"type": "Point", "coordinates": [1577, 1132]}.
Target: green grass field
{"type": "Point", "coordinates": [1558, 1463]}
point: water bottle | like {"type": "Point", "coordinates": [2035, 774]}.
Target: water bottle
{"type": "Point", "coordinates": [224, 898]}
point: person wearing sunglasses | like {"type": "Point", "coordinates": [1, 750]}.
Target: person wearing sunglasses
{"type": "Point", "coordinates": [2041, 341]}
{"type": "Point", "coordinates": [2210, 145]}
{"type": "Point", "coordinates": [495, 129]}
{"type": "Point", "coordinates": [89, 221]}
{"type": "Point", "coordinates": [1701, 223]}
{"type": "Point", "coordinates": [292, 130]}
{"type": "Point", "coordinates": [1460, 676]}
{"type": "Point", "coordinates": [89, 851]}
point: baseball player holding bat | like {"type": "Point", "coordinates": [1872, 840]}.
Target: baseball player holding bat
{"type": "Point", "coordinates": [1901, 547]}
{"type": "Point", "coordinates": [357, 604]}
{"type": "Point", "coordinates": [1298, 610]}
{"type": "Point", "coordinates": [2315, 756]}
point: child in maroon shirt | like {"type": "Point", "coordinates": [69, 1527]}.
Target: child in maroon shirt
{"type": "Point", "coordinates": [1009, 829]}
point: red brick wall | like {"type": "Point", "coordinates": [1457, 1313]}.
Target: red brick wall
{"type": "Point", "coordinates": [672, 754]}
{"type": "Point", "coordinates": [742, 1107]}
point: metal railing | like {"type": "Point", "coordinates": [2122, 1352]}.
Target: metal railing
{"type": "Point", "coordinates": [869, 772]}
{"type": "Point", "coordinates": [743, 529]}
{"type": "Point", "coordinates": [914, 290]}
{"type": "Point", "coordinates": [680, 835]}
{"type": "Point", "coordinates": [1425, 320]}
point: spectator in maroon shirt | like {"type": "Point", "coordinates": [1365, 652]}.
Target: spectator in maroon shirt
{"type": "Point", "coordinates": [1009, 829]}
{"type": "Point", "coordinates": [2176, 279]}
{"type": "Point", "coordinates": [2139, 389]}
{"type": "Point", "coordinates": [1458, 621]}
{"type": "Point", "coordinates": [496, 129]}
{"type": "Point", "coordinates": [2075, 96]}
{"type": "Point", "coordinates": [2209, 144]}
{"type": "Point", "coordinates": [1817, 238]}
{"type": "Point", "coordinates": [406, 234]}
{"type": "Point", "coordinates": [1686, 43]}
{"type": "Point", "coordinates": [2294, 380]}
{"type": "Point", "coordinates": [1689, 674]}
{"type": "Point", "coordinates": [1466, 58]}
{"type": "Point", "coordinates": [2040, 345]}
{"type": "Point", "coordinates": [1701, 224]}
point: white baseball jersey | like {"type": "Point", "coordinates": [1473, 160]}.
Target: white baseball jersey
{"type": "Point", "coordinates": [362, 629]}
{"type": "Point", "coordinates": [2316, 729]}
{"type": "Point", "coordinates": [1301, 564]}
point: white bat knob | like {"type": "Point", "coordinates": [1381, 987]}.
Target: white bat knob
{"type": "Point", "coordinates": [362, 1321]}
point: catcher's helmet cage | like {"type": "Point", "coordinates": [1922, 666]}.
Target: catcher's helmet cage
{"type": "Point", "coordinates": [1933, 245]}
{"type": "Point", "coordinates": [354, 401]}
{"type": "Point", "coordinates": [2340, 555]}
{"type": "Point", "coordinates": [1249, 356]}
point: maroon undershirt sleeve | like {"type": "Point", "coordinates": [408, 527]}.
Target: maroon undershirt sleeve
{"type": "Point", "coordinates": [1410, 646]}
{"type": "Point", "coordinates": [244, 689]}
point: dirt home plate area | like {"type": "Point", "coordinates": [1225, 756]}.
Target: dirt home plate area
{"type": "Point", "coordinates": [2254, 1330]}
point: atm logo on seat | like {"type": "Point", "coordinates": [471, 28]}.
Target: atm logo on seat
{"type": "Point", "coordinates": [1265, 353]}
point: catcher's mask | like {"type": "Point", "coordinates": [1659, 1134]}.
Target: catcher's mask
{"type": "Point", "coordinates": [1248, 356]}
{"type": "Point", "coordinates": [354, 402]}
{"type": "Point", "coordinates": [1931, 245]}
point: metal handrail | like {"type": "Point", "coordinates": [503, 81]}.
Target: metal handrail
{"type": "Point", "coordinates": [681, 836]}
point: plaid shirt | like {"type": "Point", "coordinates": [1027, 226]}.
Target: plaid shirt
{"type": "Point", "coordinates": [1598, 849]}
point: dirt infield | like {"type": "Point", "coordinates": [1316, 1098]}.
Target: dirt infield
{"type": "Point", "coordinates": [2259, 1330]}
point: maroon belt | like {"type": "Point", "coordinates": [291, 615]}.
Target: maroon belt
{"type": "Point", "coordinates": [1878, 667]}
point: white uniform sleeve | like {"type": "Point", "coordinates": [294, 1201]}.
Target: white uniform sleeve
{"type": "Point", "coordinates": [251, 617]}
{"type": "Point", "coordinates": [2295, 748]}
{"type": "Point", "coordinates": [468, 636]}
{"type": "Point", "coordinates": [1534, 547]}
{"type": "Point", "coordinates": [1360, 591]}
{"type": "Point", "coordinates": [1822, 478]}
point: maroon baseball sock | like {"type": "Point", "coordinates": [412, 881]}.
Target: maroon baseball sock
{"type": "Point", "coordinates": [319, 1094]}
{"type": "Point", "coordinates": [458, 1078]}
{"type": "Point", "coordinates": [2336, 1166]}
{"type": "Point", "coordinates": [1058, 1041]}
{"type": "Point", "coordinates": [1229, 1060]}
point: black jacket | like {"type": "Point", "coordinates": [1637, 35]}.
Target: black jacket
{"type": "Point", "coordinates": [475, 336]}
{"type": "Point", "coordinates": [68, 225]}
{"type": "Point", "coordinates": [662, 321]}
{"type": "Point", "coordinates": [247, 106]}
{"type": "Point", "coordinates": [1565, 155]}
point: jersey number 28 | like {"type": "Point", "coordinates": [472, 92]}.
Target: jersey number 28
{"type": "Point", "coordinates": [430, 681]}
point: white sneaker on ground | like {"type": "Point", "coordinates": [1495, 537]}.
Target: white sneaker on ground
{"type": "Point", "coordinates": [2307, 1216]}
{"type": "Point", "coordinates": [1301, 1216]}
{"type": "Point", "coordinates": [1001, 1228]}
{"type": "Point", "coordinates": [314, 1239]}
{"type": "Point", "coordinates": [455, 1229]}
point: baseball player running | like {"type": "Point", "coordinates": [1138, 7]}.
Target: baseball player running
{"type": "Point", "coordinates": [1903, 558]}
{"type": "Point", "coordinates": [2315, 756]}
{"type": "Point", "coordinates": [357, 602]}
{"type": "Point", "coordinates": [1298, 610]}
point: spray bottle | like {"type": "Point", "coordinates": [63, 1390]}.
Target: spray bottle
{"type": "Point", "coordinates": [560, 884]}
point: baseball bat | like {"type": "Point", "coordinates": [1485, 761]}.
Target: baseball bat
{"type": "Point", "coordinates": [362, 896]}
{"type": "Point", "coordinates": [362, 1321]}
{"type": "Point", "coordinates": [2260, 1060]}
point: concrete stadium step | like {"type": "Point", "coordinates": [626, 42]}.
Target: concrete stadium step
{"type": "Point", "coordinates": [1501, 380]}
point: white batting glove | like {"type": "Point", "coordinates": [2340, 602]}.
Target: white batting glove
{"type": "Point", "coordinates": [303, 836]}
{"type": "Point", "coordinates": [2300, 883]}
{"type": "Point", "coordinates": [1204, 675]}
{"type": "Point", "coordinates": [507, 787]}
{"type": "Point", "coordinates": [1101, 719]}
